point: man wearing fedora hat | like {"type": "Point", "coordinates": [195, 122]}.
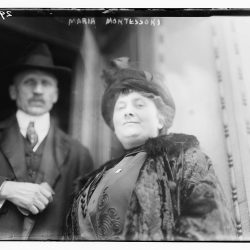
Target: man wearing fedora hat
{"type": "Point", "coordinates": [38, 162]}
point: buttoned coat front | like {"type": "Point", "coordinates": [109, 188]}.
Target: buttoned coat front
{"type": "Point", "coordinates": [63, 160]}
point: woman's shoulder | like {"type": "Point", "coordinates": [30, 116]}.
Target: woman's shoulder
{"type": "Point", "coordinates": [172, 143]}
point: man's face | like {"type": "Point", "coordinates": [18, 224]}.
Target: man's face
{"type": "Point", "coordinates": [34, 91]}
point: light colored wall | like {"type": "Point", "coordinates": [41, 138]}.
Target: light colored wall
{"type": "Point", "coordinates": [190, 74]}
{"type": "Point", "coordinates": [205, 63]}
{"type": "Point", "coordinates": [88, 126]}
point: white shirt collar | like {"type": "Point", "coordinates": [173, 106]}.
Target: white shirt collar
{"type": "Point", "coordinates": [42, 125]}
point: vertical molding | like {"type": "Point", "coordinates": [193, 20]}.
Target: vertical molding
{"type": "Point", "coordinates": [76, 100]}
{"type": "Point", "coordinates": [243, 115]}
{"type": "Point", "coordinates": [239, 73]}
{"type": "Point", "coordinates": [159, 48]}
{"type": "Point", "coordinates": [227, 131]}
{"type": "Point", "coordinates": [241, 81]}
{"type": "Point", "coordinates": [91, 130]}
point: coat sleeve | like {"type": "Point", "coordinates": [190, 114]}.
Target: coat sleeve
{"type": "Point", "coordinates": [2, 179]}
{"type": "Point", "coordinates": [204, 212]}
{"type": "Point", "coordinates": [2, 201]}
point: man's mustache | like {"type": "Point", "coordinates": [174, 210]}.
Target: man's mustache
{"type": "Point", "coordinates": [37, 100]}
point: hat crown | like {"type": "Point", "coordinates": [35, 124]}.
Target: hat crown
{"type": "Point", "coordinates": [39, 55]}
{"type": "Point", "coordinates": [121, 76]}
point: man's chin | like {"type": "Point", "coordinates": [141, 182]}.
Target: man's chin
{"type": "Point", "coordinates": [36, 111]}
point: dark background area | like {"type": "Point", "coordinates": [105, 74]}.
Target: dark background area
{"type": "Point", "coordinates": [16, 34]}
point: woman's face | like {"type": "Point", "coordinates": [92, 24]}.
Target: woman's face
{"type": "Point", "coordinates": [135, 119]}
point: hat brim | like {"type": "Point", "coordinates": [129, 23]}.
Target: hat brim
{"type": "Point", "coordinates": [63, 74]}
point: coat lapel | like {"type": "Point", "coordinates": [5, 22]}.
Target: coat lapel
{"type": "Point", "coordinates": [13, 148]}
{"type": "Point", "coordinates": [55, 152]}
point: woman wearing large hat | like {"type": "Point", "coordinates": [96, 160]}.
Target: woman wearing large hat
{"type": "Point", "coordinates": [163, 188]}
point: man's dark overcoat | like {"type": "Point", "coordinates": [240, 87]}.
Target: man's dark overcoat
{"type": "Point", "coordinates": [63, 160]}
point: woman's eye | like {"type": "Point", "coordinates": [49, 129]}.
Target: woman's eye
{"type": "Point", "coordinates": [140, 104]}
{"type": "Point", "coordinates": [120, 106]}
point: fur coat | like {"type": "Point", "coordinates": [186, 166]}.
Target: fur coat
{"type": "Point", "coordinates": [177, 196]}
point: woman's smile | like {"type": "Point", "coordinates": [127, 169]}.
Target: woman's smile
{"type": "Point", "coordinates": [131, 122]}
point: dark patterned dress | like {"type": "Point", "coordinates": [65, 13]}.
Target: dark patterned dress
{"type": "Point", "coordinates": [165, 190]}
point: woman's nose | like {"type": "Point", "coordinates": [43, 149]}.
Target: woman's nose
{"type": "Point", "coordinates": [129, 112]}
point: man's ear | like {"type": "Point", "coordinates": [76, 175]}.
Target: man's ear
{"type": "Point", "coordinates": [56, 95]}
{"type": "Point", "coordinates": [12, 92]}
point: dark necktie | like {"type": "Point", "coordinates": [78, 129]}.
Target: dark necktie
{"type": "Point", "coordinates": [31, 135]}
{"type": "Point", "coordinates": [32, 138]}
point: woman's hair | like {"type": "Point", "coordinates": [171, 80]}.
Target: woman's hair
{"type": "Point", "coordinates": [166, 113]}
{"type": "Point", "coordinates": [120, 79]}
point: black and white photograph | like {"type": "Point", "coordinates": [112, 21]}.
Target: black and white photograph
{"type": "Point", "coordinates": [125, 125]}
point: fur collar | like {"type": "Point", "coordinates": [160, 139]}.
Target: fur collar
{"type": "Point", "coordinates": [170, 144]}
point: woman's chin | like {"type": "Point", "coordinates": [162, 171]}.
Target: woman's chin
{"type": "Point", "coordinates": [133, 141]}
